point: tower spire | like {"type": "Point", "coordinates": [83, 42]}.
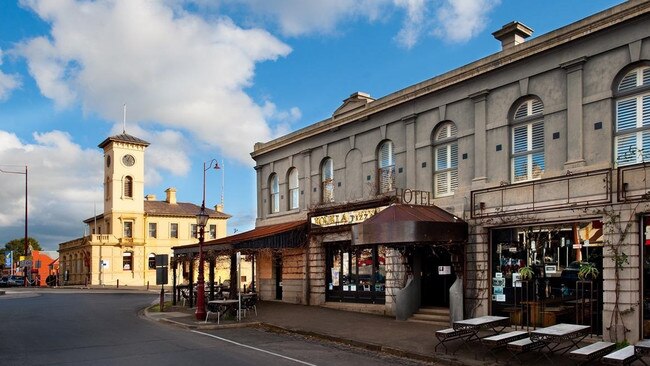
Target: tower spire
{"type": "Point", "coordinates": [124, 120]}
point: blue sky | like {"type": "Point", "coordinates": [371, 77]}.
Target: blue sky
{"type": "Point", "coordinates": [206, 79]}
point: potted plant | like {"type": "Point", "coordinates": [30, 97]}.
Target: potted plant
{"type": "Point", "coordinates": [588, 271]}
{"type": "Point", "coordinates": [526, 273]}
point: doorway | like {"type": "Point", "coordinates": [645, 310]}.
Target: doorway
{"type": "Point", "coordinates": [277, 269]}
{"type": "Point", "coordinates": [437, 276]}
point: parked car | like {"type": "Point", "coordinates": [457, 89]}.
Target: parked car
{"type": "Point", "coordinates": [16, 281]}
{"type": "Point", "coordinates": [3, 281]}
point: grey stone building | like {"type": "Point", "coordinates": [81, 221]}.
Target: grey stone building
{"type": "Point", "coordinates": [436, 195]}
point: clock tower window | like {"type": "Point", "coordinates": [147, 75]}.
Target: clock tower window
{"type": "Point", "coordinates": [128, 187]}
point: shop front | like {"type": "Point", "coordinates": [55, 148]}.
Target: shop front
{"type": "Point", "coordinates": [556, 256]}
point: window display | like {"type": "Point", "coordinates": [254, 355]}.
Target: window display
{"type": "Point", "coordinates": [356, 274]}
{"type": "Point", "coordinates": [534, 276]}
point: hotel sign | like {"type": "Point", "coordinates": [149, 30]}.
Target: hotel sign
{"type": "Point", "coordinates": [346, 218]}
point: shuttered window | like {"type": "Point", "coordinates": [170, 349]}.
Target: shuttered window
{"type": "Point", "coordinates": [293, 189]}
{"type": "Point", "coordinates": [632, 141]}
{"type": "Point", "coordinates": [275, 193]}
{"type": "Point", "coordinates": [327, 181]}
{"type": "Point", "coordinates": [128, 187]}
{"type": "Point", "coordinates": [386, 162]}
{"type": "Point", "coordinates": [445, 160]}
{"type": "Point", "coordinates": [528, 141]}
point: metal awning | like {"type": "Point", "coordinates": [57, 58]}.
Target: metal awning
{"type": "Point", "coordinates": [286, 235]}
{"type": "Point", "coordinates": [407, 224]}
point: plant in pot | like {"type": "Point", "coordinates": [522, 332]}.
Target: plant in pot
{"type": "Point", "coordinates": [588, 272]}
{"type": "Point", "coordinates": [526, 273]}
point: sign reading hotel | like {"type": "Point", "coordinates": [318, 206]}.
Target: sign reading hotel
{"type": "Point", "coordinates": [346, 218]}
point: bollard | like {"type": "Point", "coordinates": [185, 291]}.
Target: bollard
{"type": "Point", "coordinates": [118, 283]}
{"type": "Point", "coordinates": [147, 285]}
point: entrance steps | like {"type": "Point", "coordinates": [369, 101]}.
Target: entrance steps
{"type": "Point", "coordinates": [432, 315]}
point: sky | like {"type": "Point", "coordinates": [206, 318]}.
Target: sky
{"type": "Point", "coordinates": [207, 79]}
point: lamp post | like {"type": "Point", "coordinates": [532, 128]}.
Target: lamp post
{"type": "Point", "coordinates": [202, 220]}
{"type": "Point", "coordinates": [26, 237]}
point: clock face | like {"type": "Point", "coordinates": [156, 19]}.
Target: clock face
{"type": "Point", "coordinates": [128, 160]}
{"type": "Point", "coordinates": [108, 161]}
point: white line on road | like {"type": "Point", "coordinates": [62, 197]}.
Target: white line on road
{"type": "Point", "coordinates": [254, 348]}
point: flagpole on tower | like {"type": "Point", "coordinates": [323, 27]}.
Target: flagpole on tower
{"type": "Point", "coordinates": [124, 120]}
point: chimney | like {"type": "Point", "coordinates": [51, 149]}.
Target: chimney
{"type": "Point", "coordinates": [219, 207]}
{"type": "Point", "coordinates": [171, 196]}
{"type": "Point", "coordinates": [150, 197]}
{"type": "Point", "coordinates": [512, 34]}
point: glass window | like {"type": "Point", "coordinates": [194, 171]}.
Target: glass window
{"type": "Point", "coordinates": [152, 261]}
{"type": "Point", "coordinates": [356, 274]}
{"type": "Point", "coordinates": [128, 229]}
{"type": "Point", "coordinates": [293, 189]}
{"type": "Point", "coordinates": [445, 160]}
{"type": "Point", "coordinates": [528, 141]}
{"type": "Point", "coordinates": [153, 230]}
{"type": "Point", "coordinates": [274, 188]}
{"type": "Point", "coordinates": [555, 294]}
{"type": "Point", "coordinates": [127, 261]}
{"type": "Point", "coordinates": [632, 141]}
{"type": "Point", "coordinates": [327, 181]}
{"type": "Point", "coordinates": [194, 230]}
{"type": "Point", "coordinates": [213, 231]}
{"type": "Point", "coordinates": [173, 230]}
{"type": "Point", "coordinates": [128, 187]}
{"type": "Point", "coordinates": [386, 162]}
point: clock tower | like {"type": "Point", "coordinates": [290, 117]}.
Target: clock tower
{"type": "Point", "coordinates": [123, 181]}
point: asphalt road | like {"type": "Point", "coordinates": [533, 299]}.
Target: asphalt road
{"type": "Point", "coordinates": [84, 327]}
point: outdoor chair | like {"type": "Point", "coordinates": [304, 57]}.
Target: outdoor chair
{"type": "Point", "coordinates": [185, 296]}
{"type": "Point", "coordinates": [250, 303]}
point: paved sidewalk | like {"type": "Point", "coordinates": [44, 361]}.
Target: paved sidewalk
{"type": "Point", "coordinates": [374, 332]}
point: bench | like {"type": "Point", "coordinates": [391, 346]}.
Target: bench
{"type": "Point", "coordinates": [522, 346]}
{"type": "Point", "coordinates": [624, 356]}
{"type": "Point", "coordinates": [450, 334]}
{"type": "Point", "coordinates": [592, 352]}
{"type": "Point", "coordinates": [501, 340]}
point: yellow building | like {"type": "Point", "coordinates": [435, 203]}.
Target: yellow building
{"type": "Point", "coordinates": [123, 240]}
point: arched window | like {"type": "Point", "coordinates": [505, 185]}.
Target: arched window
{"type": "Point", "coordinates": [294, 195]}
{"type": "Point", "coordinates": [327, 180]}
{"type": "Point", "coordinates": [152, 261]}
{"type": "Point", "coordinates": [274, 189]}
{"type": "Point", "coordinates": [632, 135]}
{"type": "Point", "coordinates": [527, 141]}
{"type": "Point", "coordinates": [128, 187]}
{"type": "Point", "coordinates": [445, 151]}
{"type": "Point", "coordinates": [386, 165]}
{"type": "Point", "coordinates": [127, 261]}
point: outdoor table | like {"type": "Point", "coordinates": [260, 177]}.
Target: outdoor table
{"type": "Point", "coordinates": [556, 335]}
{"type": "Point", "coordinates": [642, 348]}
{"type": "Point", "coordinates": [222, 306]}
{"type": "Point", "coordinates": [474, 325]}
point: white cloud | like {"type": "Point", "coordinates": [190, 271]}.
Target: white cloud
{"type": "Point", "coordinates": [8, 82]}
{"type": "Point", "coordinates": [176, 69]}
{"type": "Point", "coordinates": [461, 20]}
{"type": "Point", "coordinates": [416, 14]}
{"type": "Point", "coordinates": [62, 184]}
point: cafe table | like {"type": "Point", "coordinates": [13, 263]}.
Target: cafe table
{"type": "Point", "coordinates": [496, 324]}
{"type": "Point", "coordinates": [220, 307]}
{"type": "Point", "coordinates": [560, 337]}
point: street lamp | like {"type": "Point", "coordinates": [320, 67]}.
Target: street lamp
{"type": "Point", "coordinates": [26, 238]}
{"type": "Point", "coordinates": [202, 220]}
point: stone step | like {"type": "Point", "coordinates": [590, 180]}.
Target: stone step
{"type": "Point", "coordinates": [430, 317]}
{"type": "Point", "coordinates": [432, 323]}
{"type": "Point", "coordinates": [433, 311]}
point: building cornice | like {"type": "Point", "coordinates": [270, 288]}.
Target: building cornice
{"type": "Point", "coordinates": [583, 28]}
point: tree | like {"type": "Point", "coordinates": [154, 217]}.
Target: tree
{"type": "Point", "coordinates": [18, 246]}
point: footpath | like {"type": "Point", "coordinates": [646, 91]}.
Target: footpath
{"type": "Point", "coordinates": [377, 333]}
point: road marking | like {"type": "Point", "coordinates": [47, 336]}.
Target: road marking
{"type": "Point", "coordinates": [254, 348]}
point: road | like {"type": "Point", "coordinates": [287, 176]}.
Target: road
{"type": "Point", "coordinates": [99, 327]}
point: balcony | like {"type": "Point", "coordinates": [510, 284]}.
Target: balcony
{"type": "Point", "coordinates": [568, 191]}
{"type": "Point", "coordinates": [633, 183]}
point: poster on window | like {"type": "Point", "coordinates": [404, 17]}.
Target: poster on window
{"type": "Point", "coordinates": [335, 277]}
{"type": "Point", "coordinates": [516, 280]}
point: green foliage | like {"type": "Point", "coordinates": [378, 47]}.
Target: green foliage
{"type": "Point", "coordinates": [622, 344]}
{"type": "Point", "coordinates": [588, 271]}
{"type": "Point", "coordinates": [526, 273]}
{"type": "Point", "coordinates": [18, 246]}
